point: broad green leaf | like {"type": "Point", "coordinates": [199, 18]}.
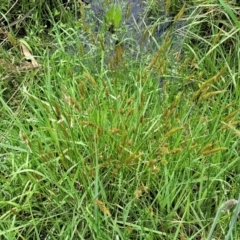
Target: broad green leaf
{"type": "Point", "coordinates": [114, 16]}
{"type": "Point", "coordinates": [230, 13]}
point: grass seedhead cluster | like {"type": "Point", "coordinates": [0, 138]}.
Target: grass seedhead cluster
{"type": "Point", "coordinates": [104, 139]}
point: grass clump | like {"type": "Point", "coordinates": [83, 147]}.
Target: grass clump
{"type": "Point", "coordinates": [91, 148]}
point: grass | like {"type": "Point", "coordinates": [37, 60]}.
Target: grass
{"type": "Point", "coordinates": [91, 148]}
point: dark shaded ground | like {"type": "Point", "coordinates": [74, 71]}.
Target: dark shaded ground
{"type": "Point", "coordinates": [138, 18]}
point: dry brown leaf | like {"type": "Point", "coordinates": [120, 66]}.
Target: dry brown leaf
{"type": "Point", "coordinates": [28, 55]}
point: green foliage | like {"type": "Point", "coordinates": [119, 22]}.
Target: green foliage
{"type": "Point", "coordinates": [91, 148]}
{"type": "Point", "coordinates": [114, 16]}
{"type": "Point", "coordinates": [231, 13]}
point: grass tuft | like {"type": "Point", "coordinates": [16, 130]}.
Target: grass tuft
{"type": "Point", "coordinates": [92, 148]}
